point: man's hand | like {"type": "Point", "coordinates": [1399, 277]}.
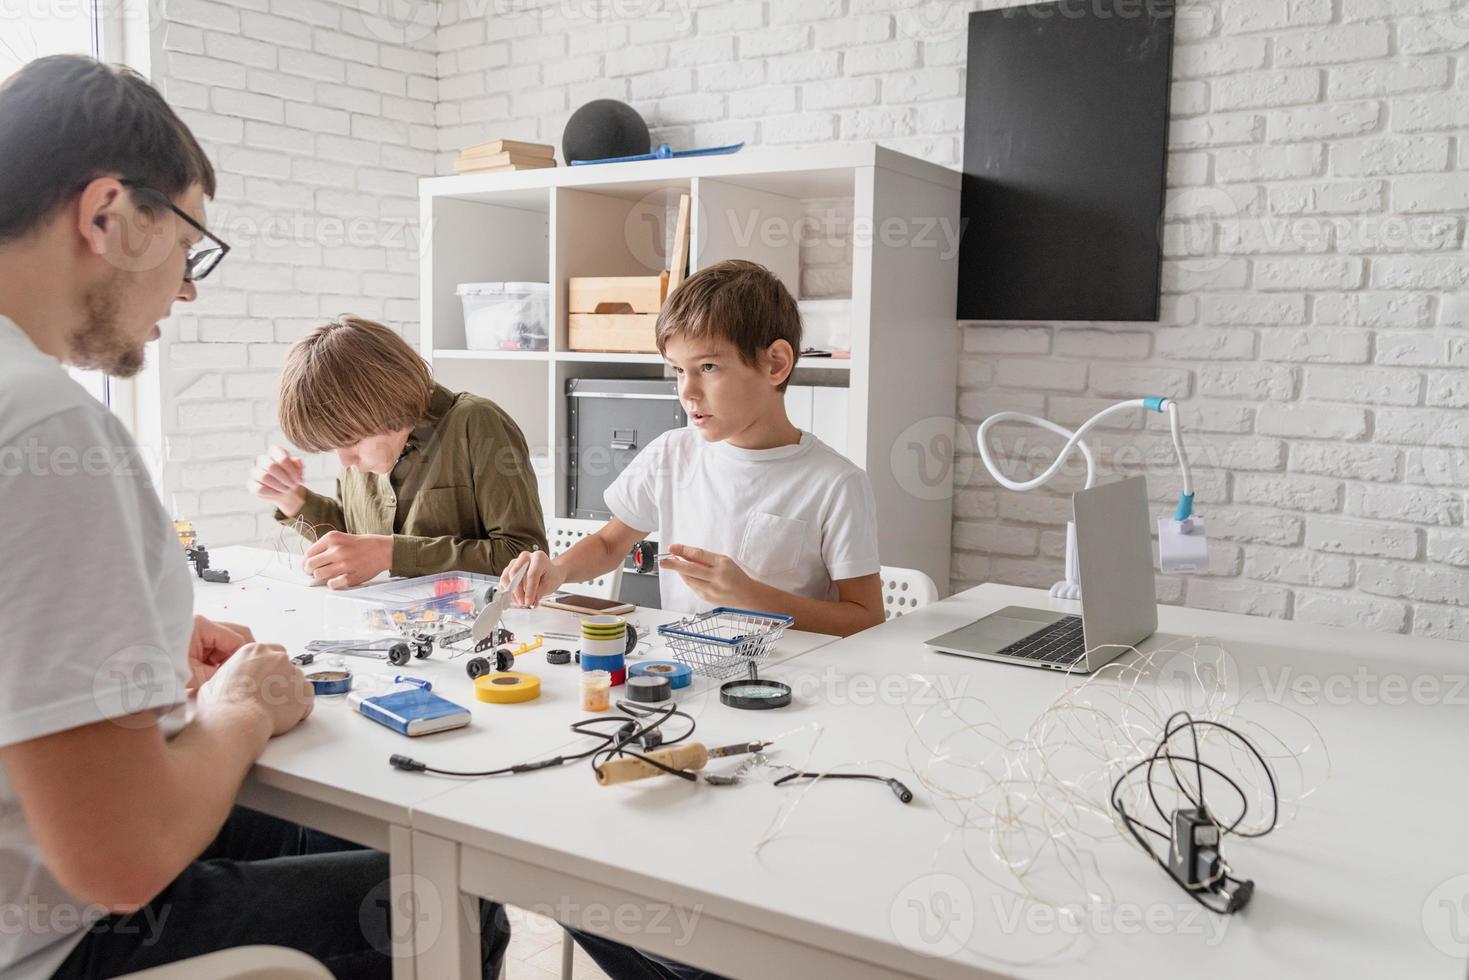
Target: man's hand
{"type": "Point", "coordinates": [542, 577]}
{"type": "Point", "coordinates": [260, 681]}
{"type": "Point", "coordinates": [277, 479]}
{"type": "Point", "coordinates": [211, 645]}
{"type": "Point", "coordinates": [715, 578]}
{"type": "Point", "coordinates": [343, 560]}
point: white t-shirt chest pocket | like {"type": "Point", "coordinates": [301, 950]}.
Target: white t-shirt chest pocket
{"type": "Point", "coordinates": [772, 545]}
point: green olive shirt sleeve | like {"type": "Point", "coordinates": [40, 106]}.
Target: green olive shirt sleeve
{"type": "Point", "coordinates": [506, 500]}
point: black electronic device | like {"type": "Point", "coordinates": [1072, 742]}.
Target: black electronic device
{"type": "Point", "coordinates": [198, 556]}
{"type": "Point", "coordinates": [1065, 152]}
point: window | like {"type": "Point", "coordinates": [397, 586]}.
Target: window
{"type": "Point", "coordinates": [34, 30]}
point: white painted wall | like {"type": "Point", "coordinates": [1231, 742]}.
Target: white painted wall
{"type": "Point", "coordinates": [319, 122]}
{"type": "Point", "coordinates": [1315, 307]}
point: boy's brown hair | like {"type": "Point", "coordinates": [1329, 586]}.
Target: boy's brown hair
{"type": "Point", "coordinates": [350, 379]}
{"type": "Point", "coordinates": [737, 301]}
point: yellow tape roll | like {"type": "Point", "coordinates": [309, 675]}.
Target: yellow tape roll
{"type": "Point", "coordinates": [507, 688]}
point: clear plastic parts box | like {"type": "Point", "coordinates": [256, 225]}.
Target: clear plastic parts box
{"type": "Point", "coordinates": [506, 315]}
{"type": "Point", "coordinates": [431, 604]}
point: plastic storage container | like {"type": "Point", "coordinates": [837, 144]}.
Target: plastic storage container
{"type": "Point", "coordinates": [826, 324]}
{"type": "Point", "coordinates": [429, 604]}
{"type": "Point", "coordinates": [506, 315]}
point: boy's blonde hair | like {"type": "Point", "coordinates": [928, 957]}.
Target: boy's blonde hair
{"type": "Point", "coordinates": [350, 379]}
{"type": "Point", "coordinates": [737, 301]}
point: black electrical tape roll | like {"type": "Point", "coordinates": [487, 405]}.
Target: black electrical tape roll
{"type": "Point", "coordinates": [649, 689]}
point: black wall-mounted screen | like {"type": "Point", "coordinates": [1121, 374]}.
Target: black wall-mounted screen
{"type": "Point", "coordinates": [1065, 145]}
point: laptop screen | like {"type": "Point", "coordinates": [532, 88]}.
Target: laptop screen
{"type": "Point", "coordinates": [1115, 558]}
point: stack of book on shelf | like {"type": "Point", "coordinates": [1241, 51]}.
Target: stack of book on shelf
{"type": "Point", "coordinates": [500, 156]}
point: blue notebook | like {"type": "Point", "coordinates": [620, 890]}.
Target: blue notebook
{"type": "Point", "coordinates": [414, 712]}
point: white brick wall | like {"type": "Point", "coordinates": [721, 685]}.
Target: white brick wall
{"type": "Point", "coordinates": [1314, 279]}
{"type": "Point", "coordinates": [1315, 261]}
{"type": "Point", "coordinates": [319, 123]}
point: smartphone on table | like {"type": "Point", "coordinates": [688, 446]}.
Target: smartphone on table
{"type": "Point", "coordinates": [586, 605]}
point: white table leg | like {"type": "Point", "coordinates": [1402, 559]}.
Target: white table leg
{"type": "Point", "coordinates": [447, 930]}
{"type": "Point", "coordinates": [401, 899]}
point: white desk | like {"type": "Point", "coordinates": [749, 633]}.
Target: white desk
{"type": "Point", "coordinates": [1344, 890]}
{"type": "Point", "coordinates": [332, 771]}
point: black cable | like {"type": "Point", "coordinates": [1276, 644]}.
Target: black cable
{"type": "Point", "coordinates": [613, 744]}
{"type": "Point", "coordinates": [618, 747]}
{"type": "Point", "coordinates": [1163, 753]}
{"type": "Point", "coordinates": [903, 793]}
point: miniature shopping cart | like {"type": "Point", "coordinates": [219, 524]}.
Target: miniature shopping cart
{"type": "Point", "coordinates": [723, 642]}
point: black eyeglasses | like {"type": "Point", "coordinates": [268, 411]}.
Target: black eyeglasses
{"type": "Point", "coordinates": [204, 255]}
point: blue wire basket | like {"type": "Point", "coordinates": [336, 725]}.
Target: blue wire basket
{"type": "Point", "coordinates": [724, 642]}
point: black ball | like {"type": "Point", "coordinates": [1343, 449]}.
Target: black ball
{"type": "Point", "coordinates": [604, 128]}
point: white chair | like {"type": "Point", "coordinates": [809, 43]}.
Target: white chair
{"type": "Point", "coordinates": [904, 590]}
{"type": "Point", "coordinates": [562, 533]}
{"type": "Point", "coordinates": [240, 963]}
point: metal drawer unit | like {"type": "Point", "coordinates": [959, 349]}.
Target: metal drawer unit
{"type": "Point", "coordinates": [610, 421]}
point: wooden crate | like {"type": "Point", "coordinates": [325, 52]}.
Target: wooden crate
{"type": "Point", "coordinates": [621, 333]}
{"type": "Point", "coordinates": [616, 294]}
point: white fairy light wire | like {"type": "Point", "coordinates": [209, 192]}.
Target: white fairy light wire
{"type": "Point", "coordinates": [1032, 811]}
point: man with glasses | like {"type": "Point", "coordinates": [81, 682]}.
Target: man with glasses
{"type": "Point", "coordinates": [127, 724]}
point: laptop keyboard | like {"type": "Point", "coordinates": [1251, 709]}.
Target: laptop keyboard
{"type": "Point", "coordinates": [1060, 643]}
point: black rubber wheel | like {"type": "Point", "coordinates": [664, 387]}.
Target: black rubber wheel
{"type": "Point", "coordinates": [399, 654]}
{"type": "Point", "coordinates": [645, 556]}
{"type": "Point", "coordinates": [504, 659]}
{"type": "Point", "coordinates": [423, 648]}
{"type": "Point", "coordinates": [632, 639]}
{"type": "Point", "coordinates": [477, 667]}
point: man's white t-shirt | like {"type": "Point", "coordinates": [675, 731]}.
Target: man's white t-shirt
{"type": "Point", "coordinates": [796, 517]}
{"type": "Point", "coordinates": [96, 610]}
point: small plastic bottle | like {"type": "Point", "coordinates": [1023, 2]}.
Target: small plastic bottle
{"type": "Point", "coordinates": [596, 690]}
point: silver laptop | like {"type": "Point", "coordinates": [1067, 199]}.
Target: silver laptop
{"type": "Point", "coordinates": [1118, 602]}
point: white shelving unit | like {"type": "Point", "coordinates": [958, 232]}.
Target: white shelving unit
{"type": "Point", "coordinates": [613, 219]}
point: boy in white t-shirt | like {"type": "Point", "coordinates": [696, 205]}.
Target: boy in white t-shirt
{"type": "Point", "coordinates": [757, 513]}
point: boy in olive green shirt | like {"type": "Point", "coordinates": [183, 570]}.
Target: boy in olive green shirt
{"type": "Point", "coordinates": [432, 480]}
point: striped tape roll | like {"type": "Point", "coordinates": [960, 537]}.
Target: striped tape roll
{"type": "Point", "coordinates": [603, 626]}
{"type": "Point", "coordinates": [609, 629]}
